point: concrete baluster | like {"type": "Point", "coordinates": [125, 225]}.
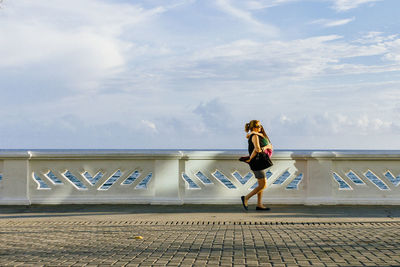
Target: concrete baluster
{"type": "Point", "coordinates": [319, 182]}
{"type": "Point", "coordinates": [167, 181]}
{"type": "Point", "coordinates": [14, 185]}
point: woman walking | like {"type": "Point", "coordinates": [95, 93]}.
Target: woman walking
{"type": "Point", "coordinates": [259, 145]}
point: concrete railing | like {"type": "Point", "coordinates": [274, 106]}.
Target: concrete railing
{"type": "Point", "coordinates": [209, 177]}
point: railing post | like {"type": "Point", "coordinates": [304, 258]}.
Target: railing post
{"type": "Point", "coordinates": [319, 181]}
{"type": "Point", "coordinates": [14, 189]}
{"type": "Point", "coordinates": [167, 181]}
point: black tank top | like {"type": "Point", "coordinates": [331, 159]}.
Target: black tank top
{"type": "Point", "coordinates": [251, 145]}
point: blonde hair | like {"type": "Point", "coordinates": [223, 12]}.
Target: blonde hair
{"type": "Point", "coordinates": [250, 125]}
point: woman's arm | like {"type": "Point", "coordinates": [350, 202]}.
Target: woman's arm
{"type": "Point", "coordinates": [257, 133]}
{"type": "Point", "coordinates": [256, 144]}
{"type": "Point", "coordinates": [251, 133]}
{"type": "Point", "coordinates": [268, 146]}
{"type": "Point", "coordinates": [257, 148]}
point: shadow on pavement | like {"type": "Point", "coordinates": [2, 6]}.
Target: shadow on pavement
{"type": "Point", "coordinates": [277, 211]}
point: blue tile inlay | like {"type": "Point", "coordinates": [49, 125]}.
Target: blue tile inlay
{"type": "Point", "coordinates": [378, 182]}
{"type": "Point", "coordinates": [268, 174]}
{"type": "Point", "coordinates": [341, 182]}
{"type": "Point", "coordinates": [192, 185]}
{"type": "Point", "coordinates": [220, 176]}
{"type": "Point", "coordinates": [74, 180]}
{"type": "Point", "coordinates": [392, 179]}
{"type": "Point", "coordinates": [282, 178]}
{"type": "Point", "coordinates": [294, 184]}
{"type": "Point", "coordinates": [241, 179]}
{"type": "Point", "coordinates": [131, 178]}
{"type": "Point", "coordinates": [42, 184]}
{"type": "Point", "coordinates": [254, 185]}
{"type": "Point", "coordinates": [111, 180]}
{"type": "Point", "coordinates": [354, 178]}
{"type": "Point", "coordinates": [203, 178]}
{"type": "Point", "coordinates": [143, 184]}
{"type": "Point", "coordinates": [53, 178]}
{"type": "Point", "coordinates": [95, 179]}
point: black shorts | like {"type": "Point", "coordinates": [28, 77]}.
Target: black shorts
{"type": "Point", "coordinates": [260, 174]}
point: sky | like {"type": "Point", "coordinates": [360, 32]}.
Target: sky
{"type": "Point", "coordinates": [188, 74]}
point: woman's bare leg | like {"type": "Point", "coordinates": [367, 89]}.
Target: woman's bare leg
{"type": "Point", "coordinates": [260, 187]}
{"type": "Point", "coordinates": [259, 199]}
{"type": "Point", "coordinates": [263, 184]}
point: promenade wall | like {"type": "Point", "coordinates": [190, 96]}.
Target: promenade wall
{"type": "Point", "coordinates": [196, 177]}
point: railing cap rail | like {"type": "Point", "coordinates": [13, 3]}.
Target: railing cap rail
{"type": "Point", "coordinates": [107, 154]}
{"type": "Point", "coordinates": [193, 154]}
{"type": "Point", "coordinates": [92, 154]}
{"type": "Point", "coordinates": [299, 154]}
{"type": "Point", "coordinates": [14, 154]}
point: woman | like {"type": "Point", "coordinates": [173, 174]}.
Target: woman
{"type": "Point", "coordinates": [265, 143]}
{"type": "Point", "coordinates": [258, 143]}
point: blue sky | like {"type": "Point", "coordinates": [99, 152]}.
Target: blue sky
{"type": "Point", "coordinates": [188, 74]}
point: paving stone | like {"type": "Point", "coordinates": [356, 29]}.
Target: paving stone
{"type": "Point", "coordinates": [49, 242]}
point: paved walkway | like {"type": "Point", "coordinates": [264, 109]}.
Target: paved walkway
{"type": "Point", "coordinates": [205, 235]}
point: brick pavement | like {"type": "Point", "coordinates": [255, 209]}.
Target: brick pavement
{"type": "Point", "coordinates": [45, 239]}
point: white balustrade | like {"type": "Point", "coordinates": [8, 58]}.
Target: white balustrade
{"type": "Point", "coordinates": [202, 177]}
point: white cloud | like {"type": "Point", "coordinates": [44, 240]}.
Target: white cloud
{"type": "Point", "coordinates": [261, 4]}
{"type": "Point", "coordinates": [367, 125]}
{"type": "Point", "coordinates": [248, 18]}
{"type": "Point", "coordinates": [214, 116]}
{"type": "Point", "coordinates": [344, 5]}
{"type": "Point", "coordinates": [376, 38]}
{"type": "Point", "coordinates": [150, 125]}
{"type": "Point", "coordinates": [333, 23]}
{"type": "Point", "coordinates": [394, 51]}
{"type": "Point", "coordinates": [296, 59]}
{"type": "Point", "coordinates": [328, 124]}
{"type": "Point", "coordinates": [78, 42]}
